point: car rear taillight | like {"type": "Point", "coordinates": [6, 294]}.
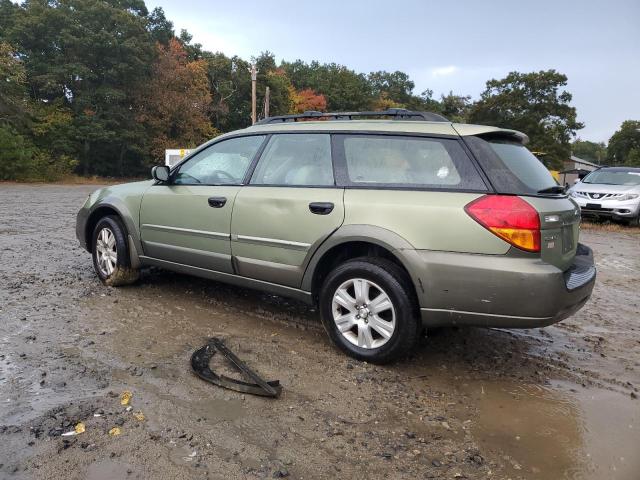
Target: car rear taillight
{"type": "Point", "coordinates": [508, 217]}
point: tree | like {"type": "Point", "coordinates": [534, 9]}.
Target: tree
{"type": "Point", "coordinates": [13, 95]}
{"type": "Point", "coordinates": [194, 50]}
{"type": "Point", "coordinates": [91, 57]}
{"type": "Point", "coordinates": [159, 27]}
{"type": "Point", "coordinates": [174, 106]}
{"type": "Point", "coordinates": [18, 154]}
{"type": "Point", "coordinates": [455, 107]}
{"type": "Point", "coordinates": [307, 99]}
{"type": "Point", "coordinates": [393, 86]}
{"type": "Point", "coordinates": [591, 151]}
{"type": "Point", "coordinates": [633, 158]}
{"type": "Point", "coordinates": [230, 87]}
{"type": "Point", "coordinates": [269, 75]}
{"type": "Point", "coordinates": [534, 104]}
{"type": "Point", "coordinates": [30, 139]}
{"type": "Point", "coordinates": [624, 144]}
{"type": "Point", "coordinates": [344, 89]}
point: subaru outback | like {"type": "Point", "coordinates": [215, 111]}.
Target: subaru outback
{"type": "Point", "coordinates": [390, 222]}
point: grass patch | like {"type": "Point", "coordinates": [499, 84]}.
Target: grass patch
{"type": "Point", "coordinates": [606, 226]}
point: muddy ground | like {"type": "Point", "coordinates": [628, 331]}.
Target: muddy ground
{"type": "Point", "coordinates": [559, 402]}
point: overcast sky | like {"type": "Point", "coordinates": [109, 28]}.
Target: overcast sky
{"type": "Point", "coordinates": [443, 45]}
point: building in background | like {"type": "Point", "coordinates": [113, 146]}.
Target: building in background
{"type": "Point", "coordinates": [575, 168]}
{"type": "Point", "coordinates": [174, 155]}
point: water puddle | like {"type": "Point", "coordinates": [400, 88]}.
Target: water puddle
{"type": "Point", "coordinates": [543, 432]}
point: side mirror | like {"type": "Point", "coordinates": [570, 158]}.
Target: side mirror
{"type": "Point", "coordinates": [160, 173]}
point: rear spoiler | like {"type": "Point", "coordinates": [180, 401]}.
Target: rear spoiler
{"type": "Point", "coordinates": [487, 132]}
{"type": "Point", "coordinates": [513, 135]}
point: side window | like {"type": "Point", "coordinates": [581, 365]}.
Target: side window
{"type": "Point", "coordinates": [222, 163]}
{"type": "Point", "coordinates": [409, 161]}
{"type": "Point", "coordinates": [295, 159]}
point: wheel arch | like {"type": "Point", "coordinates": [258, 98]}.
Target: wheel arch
{"type": "Point", "coordinates": [354, 241]}
{"type": "Point", "coordinates": [116, 208]}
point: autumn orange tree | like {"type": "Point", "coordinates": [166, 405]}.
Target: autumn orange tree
{"type": "Point", "coordinates": [174, 105]}
{"type": "Point", "coordinates": [306, 99]}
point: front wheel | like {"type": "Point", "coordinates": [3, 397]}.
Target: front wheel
{"type": "Point", "coordinates": [368, 308]}
{"type": "Point", "coordinates": [111, 253]}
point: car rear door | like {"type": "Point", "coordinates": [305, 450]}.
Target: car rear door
{"type": "Point", "coordinates": [188, 220]}
{"type": "Point", "coordinates": [289, 207]}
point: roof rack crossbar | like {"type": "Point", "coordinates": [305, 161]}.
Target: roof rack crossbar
{"type": "Point", "coordinates": [395, 113]}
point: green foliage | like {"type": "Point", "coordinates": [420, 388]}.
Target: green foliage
{"type": "Point", "coordinates": [344, 89]}
{"type": "Point", "coordinates": [395, 86]}
{"type": "Point", "coordinates": [591, 151]}
{"type": "Point", "coordinates": [532, 103]}
{"type": "Point", "coordinates": [91, 57]}
{"type": "Point", "coordinates": [14, 105]}
{"type": "Point", "coordinates": [103, 86]}
{"type": "Point", "coordinates": [17, 155]}
{"type": "Point", "coordinates": [23, 161]}
{"type": "Point", "coordinates": [230, 86]}
{"type": "Point", "coordinates": [633, 158]}
{"type": "Point", "coordinates": [159, 27]}
{"type": "Point", "coordinates": [455, 107]}
{"type": "Point", "coordinates": [624, 144]}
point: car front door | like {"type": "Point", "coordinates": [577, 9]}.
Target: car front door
{"type": "Point", "coordinates": [188, 219]}
{"type": "Point", "coordinates": [289, 207]}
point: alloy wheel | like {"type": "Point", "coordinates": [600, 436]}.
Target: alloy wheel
{"type": "Point", "coordinates": [363, 313]}
{"type": "Point", "coordinates": [107, 253]}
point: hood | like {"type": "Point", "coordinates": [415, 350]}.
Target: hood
{"type": "Point", "coordinates": [123, 190]}
{"type": "Point", "coordinates": [604, 188]}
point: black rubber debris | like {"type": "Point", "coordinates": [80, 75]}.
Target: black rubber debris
{"type": "Point", "coordinates": [200, 365]}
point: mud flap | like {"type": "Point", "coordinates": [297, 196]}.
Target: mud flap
{"type": "Point", "coordinates": [200, 365]}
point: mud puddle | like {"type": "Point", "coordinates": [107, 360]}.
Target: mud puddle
{"type": "Point", "coordinates": [556, 431]}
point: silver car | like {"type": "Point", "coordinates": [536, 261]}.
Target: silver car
{"type": "Point", "coordinates": [610, 192]}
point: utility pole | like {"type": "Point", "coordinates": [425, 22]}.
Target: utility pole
{"type": "Point", "coordinates": [254, 75]}
{"type": "Point", "coordinates": [266, 103]}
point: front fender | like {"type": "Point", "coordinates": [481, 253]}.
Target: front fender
{"type": "Point", "coordinates": [125, 200]}
{"type": "Point", "coordinates": [128, 212]}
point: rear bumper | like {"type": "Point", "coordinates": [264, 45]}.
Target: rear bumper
{"type": "Point", "coordinates": [500, 291]}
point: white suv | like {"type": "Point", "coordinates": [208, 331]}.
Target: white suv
{"type": "Point", "coordinates": [610, 192]}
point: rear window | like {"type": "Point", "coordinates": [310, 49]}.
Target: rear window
{"type": "Point", "coordinates": [510, 166]}
{"type": "Point", "coordinates": [402, 161]}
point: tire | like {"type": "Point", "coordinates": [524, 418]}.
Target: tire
{"type": "Point", "coordinates": [634, 222]}
{"type": "Point", "coordinates": [109, 235]}
{"type": "Point", "coordinates": [400, 328]}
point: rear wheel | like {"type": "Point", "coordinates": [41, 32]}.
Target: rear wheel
{"type": "Point", "coordinates": [368, 309]}
{"type": "Point", "coordinates": [111, 254]}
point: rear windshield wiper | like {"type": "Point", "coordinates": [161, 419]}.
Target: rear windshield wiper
{"type": "Point", "coordinates": [554, 189]}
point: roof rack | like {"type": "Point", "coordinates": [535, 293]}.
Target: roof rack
{"type": "Point", "coordinates": [395, 113]}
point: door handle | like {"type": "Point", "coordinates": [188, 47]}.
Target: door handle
{"type": "Point", "coordinates": [217, 202]}
{"type": "Point", "coordinates": [321, 208]}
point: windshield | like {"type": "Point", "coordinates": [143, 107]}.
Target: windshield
{"type": "Point", "coordinates": [512, 168]}
{"type": "Point", "coordinates": [614, 177]}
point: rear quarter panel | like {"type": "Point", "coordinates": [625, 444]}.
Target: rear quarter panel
{"type": "Point", "coordinates": [427, 220]}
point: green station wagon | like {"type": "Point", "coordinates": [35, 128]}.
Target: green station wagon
{"type": "Point", "coordinates": [389, 222]}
